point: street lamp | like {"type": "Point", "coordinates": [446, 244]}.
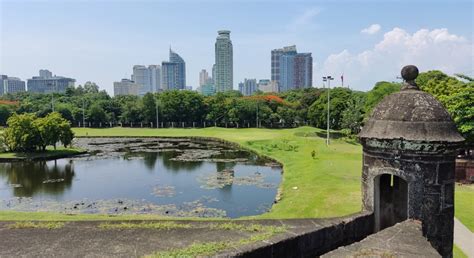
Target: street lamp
{"type": "Point", "coordinates": [328, 79]}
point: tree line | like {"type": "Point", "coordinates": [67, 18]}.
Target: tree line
{"type": "Point", "coordinates": [348, 108]}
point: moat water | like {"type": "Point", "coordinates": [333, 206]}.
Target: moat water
{"type": "Point", "coordinates": [171, 177]}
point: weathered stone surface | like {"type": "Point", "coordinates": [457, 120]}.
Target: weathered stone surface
{"type": "Point", "coordinates": [303, 237]}
{"type": "Point", "coordinates": [405, 239]}
{"type": "Point", "coordinates": [411, 115]}
{"type": "Point", "coordinates": [410, 138]}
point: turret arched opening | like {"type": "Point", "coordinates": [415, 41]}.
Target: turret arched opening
{"type": "Point", "coordinates": [390, 200]}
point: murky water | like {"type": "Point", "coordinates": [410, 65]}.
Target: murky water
{"type": "Point", "coordinates": [175, 177]}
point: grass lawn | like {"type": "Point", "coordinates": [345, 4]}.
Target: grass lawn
{"type": "Point", "coordinates": [327, 186]}
{"type": "Point", "coordinates": [50, 153]}
{"type": "Point", "coordinates": [464, 205]}
{"type": "Point", "coordinates": [458, 253]}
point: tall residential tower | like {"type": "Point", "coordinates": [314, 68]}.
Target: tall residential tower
{"type": "Point", "coordinates": [224, 62]}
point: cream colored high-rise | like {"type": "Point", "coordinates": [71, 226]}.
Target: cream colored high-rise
{"type": "Point", "coordinates": [224, 62]}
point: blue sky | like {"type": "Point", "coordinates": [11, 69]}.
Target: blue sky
{"type": "Point", "coordinates": [100, 41]}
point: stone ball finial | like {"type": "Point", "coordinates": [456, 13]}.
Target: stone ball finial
{"type": "Point", "coordinates": [409, 74]}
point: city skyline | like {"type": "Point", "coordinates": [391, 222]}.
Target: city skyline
{"type": "Point", "coordinates": [366, 48]}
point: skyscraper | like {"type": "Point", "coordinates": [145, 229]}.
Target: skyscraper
{"type": "Point", "coordinates": [286, 75]}
{"type": "Point", "coordinates": [303, 71]}
{"type": "Point", "coordinates": [148, 78]}
{"type": "Point", "coordinates": [248, 87]}
{"type": "Point", "coordinates": [141, 76]}
{"type": "Point", "coordinates": [224, 62]}
{"type": "Point", "coordinates": [290, 69]}
{"type": "Point", "coordinates": [203, 77]}
{"type": "Point", "coordinates": [155, 77]}
{"type": "Point", "coordinates": [169, 76]}
{"type": "Point", "coordinates": [275, 62]}
{"type": "Point", "coordinates": [214, 74]}
{"type": "Point", "coordinates": [173, 73]}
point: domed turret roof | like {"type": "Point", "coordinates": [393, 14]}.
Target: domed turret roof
{"type": "Point", "coordinates": [411, 114]}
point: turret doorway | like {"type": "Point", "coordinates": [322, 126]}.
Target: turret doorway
{"type": "Point", "coordinates": [391, 201]}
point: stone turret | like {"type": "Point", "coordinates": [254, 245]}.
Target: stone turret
{"type": "Point", "coordinates": [409, 150]}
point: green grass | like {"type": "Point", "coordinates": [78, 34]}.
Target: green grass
{"type": "Point", "coordinates": [48, 154]}
{"type": "Point", "coordinates": [166, 225]}
{"type": "Point", "coordinates": [30, 224]}
{"type": "Point", "coordinates": [211, 248]}
{"type": "Point", "coordinates": [194, 250]}
{"type": "Point", "coordinates": [464, 205]}
{"type": "Point", "coordinates": [458, 253]}
{"type": "Point", "coordinates": [326, 186]}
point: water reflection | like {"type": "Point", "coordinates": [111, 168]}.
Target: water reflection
{"type": "Point", "coordinates": [193, 180]}
{"type": "Point", "coordinates": [29, 178]}
{"type": "Point", "coordinates": [176, 166]}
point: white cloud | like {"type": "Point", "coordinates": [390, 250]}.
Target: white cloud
{"type": "Point", "coordinates": [427, 49]}
{"type": "Point", "coordinates": [372, 29]}
{"type": "Point", "coordinates": [304, 19]}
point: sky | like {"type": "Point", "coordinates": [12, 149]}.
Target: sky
{"type": "Point", "coordinates": [366, 41]}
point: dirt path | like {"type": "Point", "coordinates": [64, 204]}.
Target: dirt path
{"type": "Point", "coordinates": [463, 238]}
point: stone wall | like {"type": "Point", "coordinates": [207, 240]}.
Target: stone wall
{"type": "Point", "coordinates": [332, 234]}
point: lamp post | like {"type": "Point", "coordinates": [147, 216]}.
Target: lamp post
{"type": "Point", "coordinates": [328, 79]}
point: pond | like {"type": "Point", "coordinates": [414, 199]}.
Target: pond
{"type": "Point", "coordinates": [164, 176]}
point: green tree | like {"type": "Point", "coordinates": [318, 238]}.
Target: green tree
{"type": "Point", "coordinates": [67, 135]}
{"type": "Point", "coordinates": [353, 115]}
{"type": "Point", "coordinates": [380, 90]}
{"type": "Point", "coordinates": [65, 111]}
{"type": "Point", "coordinates": [318, 110]}
{"type": "Point", "coordinates": [457, 96]}
{"type": "Point", "coordinates": [49, 129]}
{"type": "Point", "coordinates": [182, 106]}
{"type": "Point", "coordinates": [131, 112]}
{"type": "Point", "coordinates": [5, 113]}
{"type": "Point", "coordinates": [91, 87]}
{"type": "Point", "coordinates": [148, 108]}
{"type": "Point", "coordinates": [96, 114]}
{"type": "Point", "coordinates": [461, 107]}
{"type": "Point", "coordinates": [22, 133]}
{"type": "Point", "coordinates": [217, 109]}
